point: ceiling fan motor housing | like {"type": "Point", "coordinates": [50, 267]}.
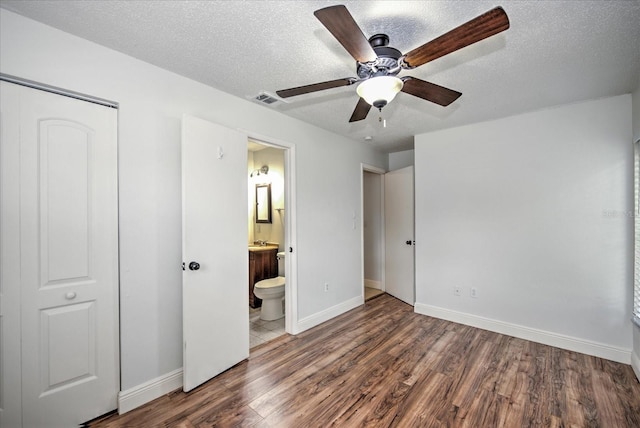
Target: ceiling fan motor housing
{"type": "Point", "coordinates": [379, 40]}
{"type": "Point", "coordinates": [387, 62]}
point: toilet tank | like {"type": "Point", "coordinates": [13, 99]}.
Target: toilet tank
{"type": "Point", "coordinates": [280, 257]}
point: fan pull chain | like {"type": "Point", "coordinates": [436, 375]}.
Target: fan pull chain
{"type": "Point", "coordinates": [380, 119]}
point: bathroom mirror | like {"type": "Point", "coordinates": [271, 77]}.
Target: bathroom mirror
{"type": "Point", "coordinates": [263, 203]}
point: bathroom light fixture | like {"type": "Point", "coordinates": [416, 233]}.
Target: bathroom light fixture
{"type": "Point", "coordinates": [264, 170]}
{"type": "Point", "coordinates": [379, 90]}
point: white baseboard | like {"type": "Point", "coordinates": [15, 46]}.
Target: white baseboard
{"type": "Point", "coordinates": [540, 336]}
{"type": "Point", "coordinates": [327, 314]}
{"type": "Point", "coordinates": [371, 283]}
{"type": "Point", "coordinates": [149, 391]}
{"type": "Point", "coordinates": [635, 364]}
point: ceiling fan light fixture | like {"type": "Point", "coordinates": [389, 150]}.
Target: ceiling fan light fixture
{"type": "Point", "coordinates": [380, 90]}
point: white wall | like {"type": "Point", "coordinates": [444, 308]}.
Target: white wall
{"type": "Point", "coordinates": [373, 236]}
{"type": "Point", "coordinates": [251, 208]}
{"type": "Point", "coordinates": [532, 211]}
{"type": "Point", "coordinates": [152, 102]}
{"type": "Point", "coordinates": [636, 136]}
{"type": "Point", "coordinates": [399, 160]}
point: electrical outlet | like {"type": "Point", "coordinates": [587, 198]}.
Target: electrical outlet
{"type": "Point", "coordinates": [457, 291]}
{"type": "Point", "coordinates": [474, 292]}
{"type": "Point", "coordinates": [326, 286]}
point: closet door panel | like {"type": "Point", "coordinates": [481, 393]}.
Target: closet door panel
{"type": "Point", "coordinates": [65, 256]}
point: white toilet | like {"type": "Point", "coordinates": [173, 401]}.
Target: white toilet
{"type": "Point", "coordinates": [271, 291]}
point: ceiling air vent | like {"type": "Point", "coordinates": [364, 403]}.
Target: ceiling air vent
{"type": "Point", "coordinates": [266, 98]}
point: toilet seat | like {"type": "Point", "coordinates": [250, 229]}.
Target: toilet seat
{"type": "Point", "coordinates": [270, 282]}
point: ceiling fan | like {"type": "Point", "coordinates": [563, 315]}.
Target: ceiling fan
{"type": "Point", "coordinates": [378, 64]}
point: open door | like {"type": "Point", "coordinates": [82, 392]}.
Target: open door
{"type": "Point", "coordinates": [399, 234]}
{"type": "Point", "coordinates": [214, 226]}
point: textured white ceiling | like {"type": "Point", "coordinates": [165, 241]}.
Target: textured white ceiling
{"type": "Point", "coordinates": [555, 52]}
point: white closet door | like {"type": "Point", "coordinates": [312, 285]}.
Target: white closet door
{"type": "Point", "coordinates": [60, 156]}
{"type": "Point", "coordinates": [215, 298]}
{"type": "Point", "coordinates": [399, 234]}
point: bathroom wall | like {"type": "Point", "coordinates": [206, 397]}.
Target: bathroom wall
{"type": "Point", "coordinates": [152, 102]}
{"type": "Point", "coordinates": [251, 214]}
{"type": "Point", "coordinates": [531, 210]}
{"type": "Point", "coordinates": [274, 159]}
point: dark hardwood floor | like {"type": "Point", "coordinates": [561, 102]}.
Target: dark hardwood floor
{"type": "Point", "coordinates": [383, 365]}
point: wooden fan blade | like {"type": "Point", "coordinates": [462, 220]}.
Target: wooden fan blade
{"type": "Point", "coordinates": [341, 24]}
{"type": "Point", "coordinates": [361, 111]}
{"type": "Point", "coordinates": [485, 25]}
{"type": "Point", "coordinates": [430, 91]}
{"type": "Point", "coordinates": [291, 92]}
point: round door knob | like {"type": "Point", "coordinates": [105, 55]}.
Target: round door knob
{"type": "Point", "coordinates": [194, 266]}
{"type": "Point", "coordinates": [70, 295]}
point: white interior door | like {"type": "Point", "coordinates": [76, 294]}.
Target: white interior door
{"type": "Point", "coordinates": [399, 234]}
{"type": "Point", "coordinates": [59, 229]}
{"type": "Point", "coordinates": [214, 250]}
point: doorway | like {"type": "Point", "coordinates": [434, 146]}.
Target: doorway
{"type": "Point", "coordinates": [373, 269]}
{"type": "Point", "coordinates": [266, 238]}
{"type": "Point", "coordinates": [387, 233]}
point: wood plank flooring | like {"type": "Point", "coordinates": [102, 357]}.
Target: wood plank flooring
{"type": "Point", "coordinates": [382, 365]}
{"type": "Point", "coordinates": [371, 293]}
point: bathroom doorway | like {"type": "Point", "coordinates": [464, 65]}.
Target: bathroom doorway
{"type": "Point", "coordinates": [268, 231]}
{"type": "Point", "coordinates": [373, 232]}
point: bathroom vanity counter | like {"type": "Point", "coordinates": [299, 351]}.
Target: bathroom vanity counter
{"type": "Point", "coordinates": [263, 264]}
{"type": "Point", "coordinates": [259, 248]}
